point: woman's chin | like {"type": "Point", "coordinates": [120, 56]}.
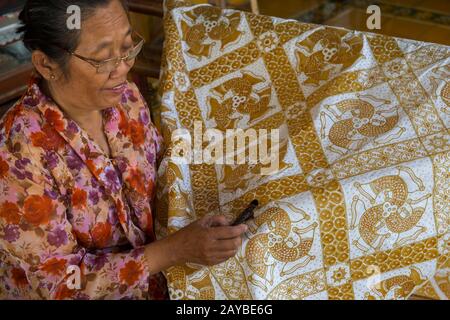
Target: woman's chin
{"type": "Point", "coordinates": [112, 98]}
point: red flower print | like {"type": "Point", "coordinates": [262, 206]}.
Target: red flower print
{"type": "Point", "coordinates": [54, 266]}
{"type": "Point", "coordinates": [37, 209]}
{"type": "Point", "coordinates": [83, 238]}
{"type": "Point", "coordinates": [4, 168]}
{"type": "Point", "coordinates": [10, 212]}
{"type": "Point", "coordinates": [124, 126]}
{"type": "Point", "coordinates": [91, 165]}
{"type": "Point", "coordinates": [19, 277]}
{"type": "Point", "coordinates": [150, 188]}
{"type": "Point", "coordinates": [130, 273]}
{"type": "Point", "coordinates": [101, 234]}
{"type": "Point", "coordinates": [48, 139]}
{"type": "Point", "coordinates": [64, 292]}
{"type": "Point", "coordinates": [136, 181]}
{"type": "Point", "coordinates": [120, 212]}
{"type": "Point", "coordinates": [54, 119]}
{"type": "Point", "coordinates": [10, 117]}
{"type": "Point", "coordinates": [157, 287]}
{"type": "Point", "coordinates": [137, 133]}
{"type": "Point", "coordinates": [79, 198]}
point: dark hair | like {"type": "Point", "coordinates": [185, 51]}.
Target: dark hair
{"type": "Point", "coordinates": [44, 26]}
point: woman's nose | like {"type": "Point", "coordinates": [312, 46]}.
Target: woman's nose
{"type": "Point", "coordinates": [121, 70]}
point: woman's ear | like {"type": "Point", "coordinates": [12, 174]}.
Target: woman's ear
{"type": "Point", "coordinates": [48, 69]}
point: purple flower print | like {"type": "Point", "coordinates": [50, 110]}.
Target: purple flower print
{"type": "Point", "coordinates": [128, 95]}
{"type": "Point", "coordinates": [112, 179]}
{"type": "Point", "coordinates": [21, 175]}
{"type": "Point", "coordinates": [96, 261]}
{"type": "Point", "coordinates": [72, 127]}
{"type": "Point", "coordinates": [11, 233]}
{"type": "Point", "coordinates": [30, 101]}
{"type": "Point", "coordinates": [18, 174]}
{"type": "Point", "coordinates": [21, 164]}
{"type": "Point", "coordinates": [57, 237]}
{"type": "Point", "coordinates": [93, 197]}
{"type": "Point", "coordinates": [112, 216]}
{"type": "Point", "coordinates": [81, 296]}
{"type": "Point", "coordinates": [94, 182]}
{"type": "Point", "coordinates": [102, 191]}
{"type": "Point", "coordinates": [75, 260]}
{"type": "Point", "coordinates": [108, 114]}
{"type": "Point", "coordinates": [73, 161]}
{"type": "Point", "coordinates": [18, 128]}
{"type": "Point", "coordinates": [150, 156]}
{"type": "Point", "coordinates": [51, 194]}
{"type": "Point", "coordinates": [144, 116]}
{"type": "Point", "coordinates": [121, 164]}
{"type": "Point", "coordinates": [137, 252]}
{"type": "Point", "coordinates": [51, 158]}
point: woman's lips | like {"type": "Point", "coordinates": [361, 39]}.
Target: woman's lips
{"type": "Point", "coordinates": [118, 89]}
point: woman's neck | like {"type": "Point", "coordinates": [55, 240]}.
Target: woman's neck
{"type": "Point", "coordinates": [90, 121]}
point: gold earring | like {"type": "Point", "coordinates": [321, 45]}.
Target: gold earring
{"type": "Point", "coordinates": [53, 77]}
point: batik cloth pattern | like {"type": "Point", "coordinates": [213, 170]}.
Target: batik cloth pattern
{"type": "Point", "coordinates": [359, 208]}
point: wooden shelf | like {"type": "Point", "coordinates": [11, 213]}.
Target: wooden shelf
{"type": "Point", "coordinates": [148, 7]}
{"type": "Point", "coordinates": [148, 62]}
{"type": "Point", "coordinates": [14, 83]}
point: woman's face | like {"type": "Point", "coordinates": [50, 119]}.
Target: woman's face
{"type": "Point", "coordinates": [105, 34]}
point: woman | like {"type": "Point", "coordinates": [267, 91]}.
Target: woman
{"type": "Point", "coordinates": [78, 158]}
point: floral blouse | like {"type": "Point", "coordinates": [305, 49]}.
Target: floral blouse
{"type": "Point", "coordinates": [64, 203]}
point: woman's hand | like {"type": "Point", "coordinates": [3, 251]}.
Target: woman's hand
{"type": "Point", "coordinates": [208, 241]}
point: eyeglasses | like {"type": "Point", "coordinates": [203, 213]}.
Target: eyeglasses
{"type": "Point", "coordinates": [109, 65]}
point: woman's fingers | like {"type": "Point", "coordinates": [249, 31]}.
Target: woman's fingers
{"type": "Point", "coordinates": [213, 221]}
{"type": "Point", "coordinates": [222, 257]}
{"type": "Point", "coordinates": [226, 255]}
{"type": "Point", "coordinates": [228, 245]}
{"type": "Point", "coordinates": [228, 232]}
{"type": "Point", "coordinates": [217, 221]}
{"type": "Point", "coordinates": [209, 241]}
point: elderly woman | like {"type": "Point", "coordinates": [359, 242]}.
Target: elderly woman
{"type": "Point", "coordinates": [78, 157]}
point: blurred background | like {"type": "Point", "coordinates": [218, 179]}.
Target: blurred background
{"type": "Point", "coordinates": [424, 20]}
